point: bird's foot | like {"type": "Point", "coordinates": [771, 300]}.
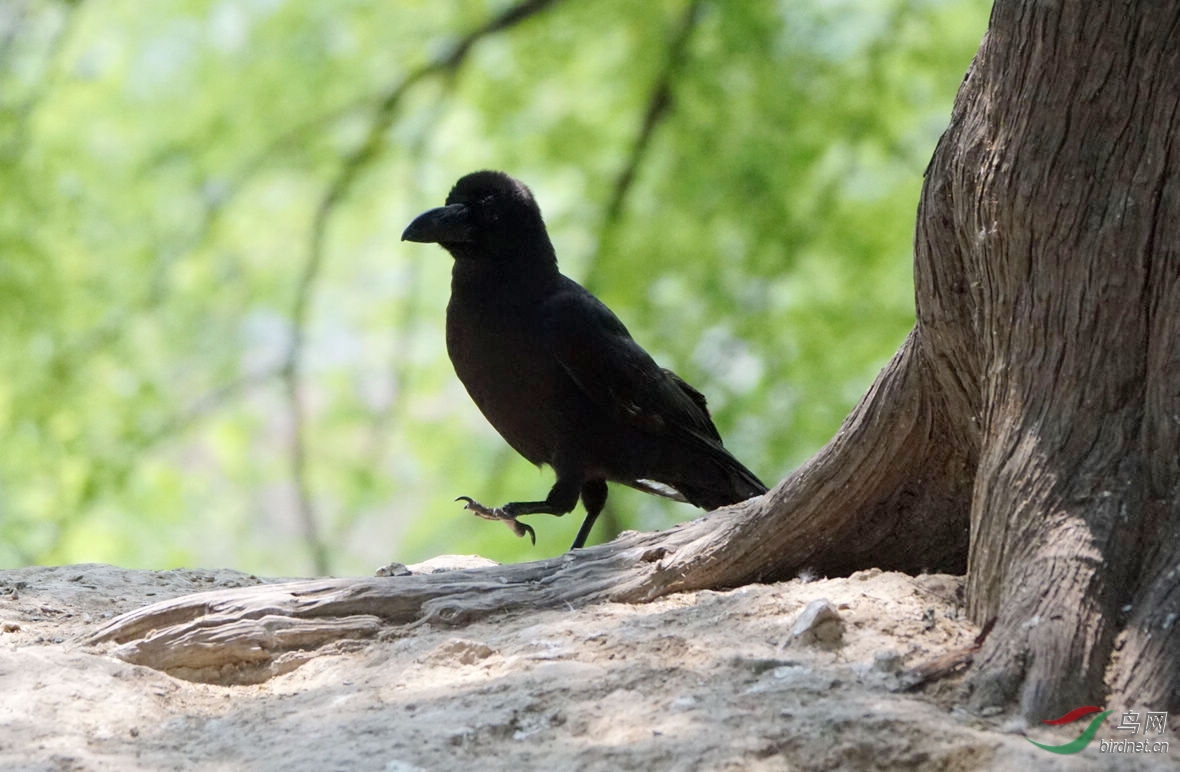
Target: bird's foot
{"type": "Point", "coordinates": [498, 513]}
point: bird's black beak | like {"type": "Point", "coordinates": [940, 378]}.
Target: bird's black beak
{"type": "Point", "coordinates": [445, 225]}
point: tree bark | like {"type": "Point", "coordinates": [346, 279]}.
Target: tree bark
{"type": "Point", "coordinates": [1046, 273]}
{"type": "Point", "coordinates": [1027, 431]}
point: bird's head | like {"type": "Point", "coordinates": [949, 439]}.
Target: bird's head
{"type": "Point", "coordinates": [488, 216]}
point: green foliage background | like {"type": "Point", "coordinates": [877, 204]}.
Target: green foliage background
{"type": "Point", "coordinates": [208, 319]}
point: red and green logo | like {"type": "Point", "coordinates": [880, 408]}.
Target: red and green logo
{"type": "Point", "coordinates": [1084, 739]}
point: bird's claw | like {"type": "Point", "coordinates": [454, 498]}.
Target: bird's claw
{"type": "Point", "coordinates": [498, 513]}
{"type": "Point", "coordinates": [487, 513]}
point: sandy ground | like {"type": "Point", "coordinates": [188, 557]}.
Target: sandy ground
{"type": "Point", "coordinates": [708, 680]}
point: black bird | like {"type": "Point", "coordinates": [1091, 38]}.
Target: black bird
{"type": "Point", "coordinates": [558, 375]}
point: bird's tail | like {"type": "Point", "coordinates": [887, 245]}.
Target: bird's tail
{"type": "Point", "coordinates": [732, 483]}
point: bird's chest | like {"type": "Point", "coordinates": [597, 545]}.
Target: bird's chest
{"type": "Point", "coordinates": [499, 355]}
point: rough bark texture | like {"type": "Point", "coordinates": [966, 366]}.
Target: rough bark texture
{"type": "Point", "coordinates": [1046, 272]}
{"type": "Point", "coordinates": [1033, 412]}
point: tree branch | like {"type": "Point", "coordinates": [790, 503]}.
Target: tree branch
{"type": "Point", "coordinates": [658, 106]}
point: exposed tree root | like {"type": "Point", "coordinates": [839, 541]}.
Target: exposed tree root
{"type": "Point", "coordinates": [878, 494]}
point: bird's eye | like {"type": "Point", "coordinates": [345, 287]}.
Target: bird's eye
{"type": "Point", "coordinates": [488, 212]}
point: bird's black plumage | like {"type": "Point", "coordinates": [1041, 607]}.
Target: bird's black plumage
{"type": "Point", "coordinates": [557, 374]}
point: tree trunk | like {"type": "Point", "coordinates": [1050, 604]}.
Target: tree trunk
{"type": "Point", "coordinates": [1032, 414]}
{"type": "Point", "coordinates": [1048, 282]}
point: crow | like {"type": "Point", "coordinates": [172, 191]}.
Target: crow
{"type": "Point", "coordinates": [558, 375]}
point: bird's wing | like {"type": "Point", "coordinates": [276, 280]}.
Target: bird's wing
{"type": "Point", "coordinates": [598, 353]}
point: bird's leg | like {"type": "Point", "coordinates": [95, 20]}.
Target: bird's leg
{"type": "Point", "coordinates": [563, 497]}
{"type": "Point", "coordinates": [593, 499]}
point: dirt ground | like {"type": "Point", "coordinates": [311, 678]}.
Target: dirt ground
{"type": "Point", "coordinates": [707, 680]}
